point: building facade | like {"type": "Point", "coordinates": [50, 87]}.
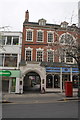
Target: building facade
{"type": "Point", "coordinates": [10, 56]}
{"type": "Point", "coordinates": [40, 68]}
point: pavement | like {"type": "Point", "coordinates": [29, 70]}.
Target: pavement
{"type": "Point", "coordinates": [31, 98]}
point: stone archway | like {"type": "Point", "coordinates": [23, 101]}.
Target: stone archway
{"type": "Point", "coordinates": [38, 70]}
{"type": "Point", "coordinates": [32, 82]}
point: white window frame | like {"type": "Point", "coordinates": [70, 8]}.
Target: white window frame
{"type": "Point", "coordinates": [29, 49]}
{"type": "Point", "coordinates": [64, 35]}
{"type": "Point", "coordinates": [39, 49]}
{"type": "Point", "coordinates": [50, 50]}
{"type": "Point", "coordinates": [67, 62]}
{"type": "Point", "coordinates": [52, 32]}
{"type": "Point", "coordinates": [31, 30]}
{"type": "Point", "coordinates": [42, 35]}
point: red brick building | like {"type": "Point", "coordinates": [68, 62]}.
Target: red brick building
{"type": "Point", "coordinates": [39, 66]}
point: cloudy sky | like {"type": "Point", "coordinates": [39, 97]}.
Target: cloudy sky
{"type": "Point", "coordinates": [54, 11]}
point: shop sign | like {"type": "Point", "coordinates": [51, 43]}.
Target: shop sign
{"type": "Point", "coordinates": [52, 69]}
{"type": "Point", "coordinates": [66, 70]}
{"type": "Point", "coordinates": [75, 70]}
{"type": "Point", "coordinates": [5, 73]}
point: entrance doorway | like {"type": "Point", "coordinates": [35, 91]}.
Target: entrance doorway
{"type": "Point", "coordinates": [49, 81]}
{"type": "Point", "coordinates": [5, 84]}
{"type": "Point", "coordinates": [32, 82]}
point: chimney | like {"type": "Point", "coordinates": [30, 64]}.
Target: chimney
{"type": "Point", "coordinates": [27, 16]}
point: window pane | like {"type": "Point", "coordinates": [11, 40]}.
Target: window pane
{"type": "Point", "coordinates": [28, 55]}
{"type": "Point", "coordinates": [62, 59]}
{"type": "Point", "coordinates": [39, 56]}
{"type": "Point", "coordinates": [67, 39]}
{"type": "Point", "coordinates": [50, 56]}
{"type": "Point", "coordinates": [50, 37]}
{"type": "Point", "coordinates": [68, 58]}
{"type": "Point", "coordinates": [29, 35]}
{"type": "Point", "coordinates": [1, 59]}
{"type": "Point", "coordinates": [9, 38]}
{"type": "Point", "coordinates": [40, 36]}
{"type": "Point", "coordinates": [10, 60]}
{"type": "Point", "coordinates": [15, 40]}
{"type": "Point", "coordinates": [3, 40]}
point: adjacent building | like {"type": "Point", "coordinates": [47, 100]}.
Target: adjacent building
{"type": "Point", "coordinates": [10, 56]}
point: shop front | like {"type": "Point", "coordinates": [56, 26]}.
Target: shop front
{"type": "Point", "coordinates": [57, 76]}
{"type": "Point", "coordinates": [10, 81]}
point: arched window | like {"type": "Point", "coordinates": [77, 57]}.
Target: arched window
{"type": "Point", "coordinates": [66, 38]}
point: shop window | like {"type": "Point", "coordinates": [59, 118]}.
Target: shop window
{"type": "Point", "coordinates": [13, 84]}
{"type": "Point", "coordinates": [5, 84]}
{"type": "Point", "coordinates": [56, 81]}
{"type": "Point", "coordinates": [49, 81]}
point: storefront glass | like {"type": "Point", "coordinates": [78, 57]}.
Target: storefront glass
{"type": "Point", "coordinates": [13, 84]}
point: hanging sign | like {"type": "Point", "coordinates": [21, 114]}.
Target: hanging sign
{"type": "Point", "coordinates": [5, 73]}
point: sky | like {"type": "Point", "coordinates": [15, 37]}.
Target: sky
{"type": "Point", "coordinates": [54, 11]}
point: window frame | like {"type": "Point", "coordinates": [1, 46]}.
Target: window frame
{"type": "Point", "coordinates": [65, 60]}
{"type": "Point", "coordinates": [11, 40]}
{"type": "Point", "coordinates": [29, 30]}
{"type": "Point", "coordinates": [42, 35]}
{"type": "Point", "coordinates": [3, 62]}
{"type": "Point", "coordinates": [50, 50]}
{"type": "Point", "coordinates": [63, 35]}
{"type": "Point", "coordinates": [50, 32]}
{"type": "Point", "coordinates": [29, 49]}
{"type": "Point", "coordinates": [39, 50]}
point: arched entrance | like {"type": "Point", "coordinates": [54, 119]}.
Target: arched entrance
{"type": "Point", "coordinates": [56, 81]}
{"type": "Point", "coordinates": [49, 81]}
{"type": "Point", "coordinates": [32, 82]}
